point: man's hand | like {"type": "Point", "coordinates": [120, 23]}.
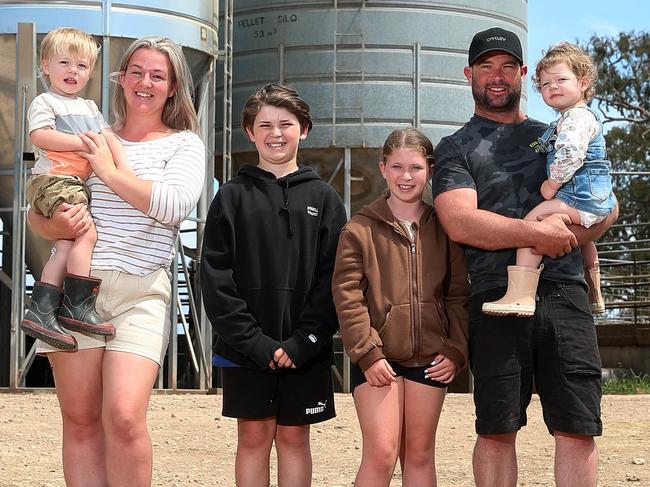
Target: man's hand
{"type": "Point", "coordinates": [556, 240]}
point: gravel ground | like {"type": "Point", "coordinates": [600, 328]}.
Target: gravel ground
{"type": "Point", "coordinates": [194, 445]}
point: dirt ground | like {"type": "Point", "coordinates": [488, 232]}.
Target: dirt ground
{"type": "Point", "coordinates": [194, 445]}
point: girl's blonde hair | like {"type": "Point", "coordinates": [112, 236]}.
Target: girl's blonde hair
{"type": "Point", "coordinates": [408, 138]}
{"type": "Point", "coordinates": [580, 63]}
{"type": "Point", "coordinates": [69, 42]}
{"type": "Point", "coordinates": [179, 112]}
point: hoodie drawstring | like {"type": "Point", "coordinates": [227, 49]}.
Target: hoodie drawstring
{"type": "Point", "coordinates": [285, 207]}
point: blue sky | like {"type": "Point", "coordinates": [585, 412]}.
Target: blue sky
{"type": "Point", "coordinates": [552, 21]}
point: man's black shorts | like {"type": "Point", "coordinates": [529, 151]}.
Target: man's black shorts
{"type": "Point", "coordinates": [294, 397]}
{"type": "Point", "coordinates": [556, 351]}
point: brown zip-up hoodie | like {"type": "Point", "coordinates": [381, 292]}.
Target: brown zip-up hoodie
{"type": "Point", "coordinates": [398, 299]}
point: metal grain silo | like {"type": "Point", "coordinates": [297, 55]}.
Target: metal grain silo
{"type": "Point", "coordinates": [190, 24]}
{"type": "Point", "coordinates": [23, 24]}
{"type": "Point", "coordinates": [365, 68]}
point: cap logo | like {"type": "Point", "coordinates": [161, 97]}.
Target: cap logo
{"type": "Point", "coordinates": [494, 39]}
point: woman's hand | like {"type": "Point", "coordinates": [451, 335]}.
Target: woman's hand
{"type": "Point", "coordinates": [99, 155]}
{"type": "Point", "coordinates": [67, 223]}
{"type": "Point", "coordinates": [117, 151]}
{"type": "Point", "coordinates": [380, 373]}
{"type": "Point", "coordinates": [442, 370]}
{"type": "Point", "coordinates": [135, 191]}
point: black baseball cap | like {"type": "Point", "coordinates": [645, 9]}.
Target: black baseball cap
{"type": "Point", "coordinates": [495, 39]}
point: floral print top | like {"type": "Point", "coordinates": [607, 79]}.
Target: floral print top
{"type": "Point", "coordinates": [575, 129]}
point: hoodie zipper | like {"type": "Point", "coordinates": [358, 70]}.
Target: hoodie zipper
{"type": "Point", "coordinates": [415, 309]}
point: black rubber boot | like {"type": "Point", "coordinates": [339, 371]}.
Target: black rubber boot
{"type": "Point", "coordinates": [78, 310]}
{"type": "Point", "coordinates": [40, 319]}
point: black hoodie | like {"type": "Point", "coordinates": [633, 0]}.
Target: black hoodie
{"type": "Point", "coordinates": [266, 270]}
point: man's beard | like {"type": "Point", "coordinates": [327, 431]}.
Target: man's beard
{"type": "Point", "coordinates": [510, 102]}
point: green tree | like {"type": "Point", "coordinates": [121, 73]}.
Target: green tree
{"type": "Point", "coordinates": [623, 97]}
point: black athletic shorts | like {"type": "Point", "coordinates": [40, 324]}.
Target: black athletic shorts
{"type": "Point", "coordinates": [556, 350]}
{"type": "Point", "coordinates": [295, 397]}
{"type": "Point", "coordinates": [415, 374]}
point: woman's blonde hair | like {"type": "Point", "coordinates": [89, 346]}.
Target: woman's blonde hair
{"type": "Point", "coordinates": [580, 63]}
{"type": "Point", "coordinates": [68, 41]}
{"type": "Point", "coordinates": [179, 112]}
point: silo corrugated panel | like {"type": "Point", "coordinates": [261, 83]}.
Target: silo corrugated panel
{"type": "Point", "coordinates": [190, 23]}
{"type": "Point", "coordinates": [181, 21]}
{"type": "Point", "coordinates": [396, 63]}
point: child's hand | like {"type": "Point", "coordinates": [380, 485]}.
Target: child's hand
{"type": "Point", "coordinates": [281, 358]}
{"type": "Point", "coordinates": [442, 370]}
{"type": "Point", "coordinates": [549, 189]}
{"type": "Point", "coordinates": [380, 373]}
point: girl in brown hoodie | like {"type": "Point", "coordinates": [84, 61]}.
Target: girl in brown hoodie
{"type": "Point", "coordinates": [401, 295]}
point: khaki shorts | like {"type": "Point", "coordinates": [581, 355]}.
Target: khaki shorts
{"type": "Point", "coordinates": [45, 192]}
{"type": "Point", "coordinates": [138, 306]}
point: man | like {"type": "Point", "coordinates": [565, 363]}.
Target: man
{"type": "Point", "coordinates": [487, 176]}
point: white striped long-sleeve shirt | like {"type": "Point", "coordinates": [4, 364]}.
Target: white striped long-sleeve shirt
{"type": "Point", "coordinates": [131, 241]}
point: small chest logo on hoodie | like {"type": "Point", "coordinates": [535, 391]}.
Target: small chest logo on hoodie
{"type": "Point", "coordinates": [312, 211]}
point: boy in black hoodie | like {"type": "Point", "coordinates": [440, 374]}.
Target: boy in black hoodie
{"type": "Point", "coordinates": [268, 255]}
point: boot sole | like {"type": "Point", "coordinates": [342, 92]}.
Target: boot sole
{"type": "Point", "coordinates": [35, 330]}
{"type": "Point", "coordinates": [521, 313]}
{"type": "Point", "coordinates": [81, 327]}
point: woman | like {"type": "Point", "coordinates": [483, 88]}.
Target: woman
{"type": "Point", "coordinates": [104, 387]}
{"type": "Point", "coordinates": [401, 296]}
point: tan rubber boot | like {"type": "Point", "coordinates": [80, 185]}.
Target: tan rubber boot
{"type": "Point", "coordinates": [519, 299]}
{"type": "Point", "coordinates": [592, 276]}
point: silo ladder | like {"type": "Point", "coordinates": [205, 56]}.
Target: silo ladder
{"type": "Point", "coordinates": [338, 72]}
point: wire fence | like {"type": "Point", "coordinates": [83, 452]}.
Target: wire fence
{"type": "Point", "coordinates": [625, 282]}
{"type": "Point", "coordinates": [625, 262]}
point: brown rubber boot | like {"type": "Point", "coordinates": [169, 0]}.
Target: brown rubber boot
{"type": "Point", "coordinates": [40, 319]}
{"type": "Point", "coordinates": [592, 276]}
{"type": "Point", "coordinates": [519, 299]}
{"type": "Point", "coordinates": [78, 310]}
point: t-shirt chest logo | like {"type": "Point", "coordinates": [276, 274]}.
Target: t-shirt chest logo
{"type": "Point", "coordinates": [312, 211]}
{"type": "Point", "coordinates": [537, 146]}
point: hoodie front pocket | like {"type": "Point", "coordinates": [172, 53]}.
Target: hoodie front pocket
{"type": "Point", "coordinates": [396, 335]}
{"type": "Point", "coordinates": [435, 328]}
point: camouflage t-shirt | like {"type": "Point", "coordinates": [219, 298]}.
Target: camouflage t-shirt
{"type": "Point", "coordinates": [497, 161]}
